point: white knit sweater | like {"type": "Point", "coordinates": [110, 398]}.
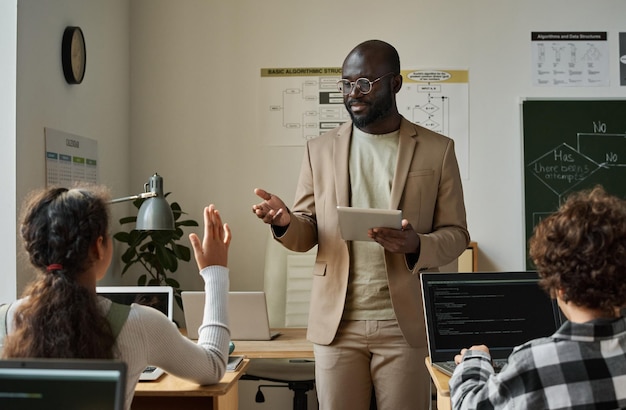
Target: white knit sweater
{"type": "Point", "coordinates": [150, 338]}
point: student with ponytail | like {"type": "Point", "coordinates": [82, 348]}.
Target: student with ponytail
{"type": "Point", "coordinates": [66, 236]}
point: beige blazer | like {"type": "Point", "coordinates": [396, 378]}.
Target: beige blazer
{"type": "Point", "coordinates": [426, 187]}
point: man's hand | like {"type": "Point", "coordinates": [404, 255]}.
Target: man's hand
{"type": "Point", "coordinates": [214, 247]}
{"type": "Point", "coordinates": [272, 210]}
{"type": "Point", "coordinates": [403, 240]}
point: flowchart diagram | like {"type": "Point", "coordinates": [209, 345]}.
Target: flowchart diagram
{"type": "Point", "coordinates": [570, 145]}
{"type": "Point", "coordinates": [302, 103]}
{"type": "Point", "coordinates": [565, 168]}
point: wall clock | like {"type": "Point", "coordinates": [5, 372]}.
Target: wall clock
{"type": "Point", "coordinates": [73, 55]}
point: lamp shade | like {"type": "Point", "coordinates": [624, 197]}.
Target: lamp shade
{"type": "Point", "coordinates": [155, 213]}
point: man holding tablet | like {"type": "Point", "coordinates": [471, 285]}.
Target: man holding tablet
{"type": "Point", "coordinates": [366, 318]}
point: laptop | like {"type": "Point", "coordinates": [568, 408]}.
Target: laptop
{"type": "Point", "coordinates": [247, 315]}
{"type": "Point", "coordinates": [38, 384]}
{"type": "Point", "coordinates": [158, 297]}
{"type": "Point", "coordinates": [499, 309]}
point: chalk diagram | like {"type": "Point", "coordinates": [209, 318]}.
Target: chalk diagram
{"type": "Point", "coordinates": [564, 168]}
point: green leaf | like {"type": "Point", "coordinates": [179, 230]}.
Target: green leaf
{"type": "Point", "coordinates": [128, 265]}
{"type": "Point", "coordinates": [128, 219]}
{"type": "Point", "coordinates": [176, 210]}
{"type": "Point", "coordinates": [136, 237]}
{"type": "Point", "coordinates": [122, 237]}
{"type": "Point", "coordinates": [137, 202]}
{"type": "Point", "coordinates": [172, 282]}
{"type": "Point", "coordinates": [158, 252]}
{"type": "Point", "coordinates": [183, 252]}
{"type": "Point", "coordinates": [128, 256]}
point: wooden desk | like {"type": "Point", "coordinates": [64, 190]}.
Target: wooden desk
{"type": "Point", "coordinates": [291, 343]}
{"type": "Point", "coordinates": [170, 392]}
{"type": "Point", "coordinates": [440, 380]}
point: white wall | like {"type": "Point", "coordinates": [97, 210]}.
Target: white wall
{"type": "Point", "coordinates": [8, 50]}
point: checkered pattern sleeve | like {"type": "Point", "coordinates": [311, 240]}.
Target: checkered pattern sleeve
{"type": "Point", "coordinates": [582, 366]}
{"type": "Point", "coordinates": [468, 385]}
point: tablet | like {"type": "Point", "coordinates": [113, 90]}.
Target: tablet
{"type": "Point", "coordinates": [354, 222]}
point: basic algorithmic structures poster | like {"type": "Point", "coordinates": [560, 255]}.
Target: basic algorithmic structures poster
{"type": "Point", "coordinates": [70, 159]}
{"type": "Point", "coordinates": [298, 104]}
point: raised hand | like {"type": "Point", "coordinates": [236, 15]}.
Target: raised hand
{"type": "Point", "coordinates": [213, 250]}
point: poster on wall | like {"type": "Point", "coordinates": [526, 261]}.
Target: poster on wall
{"type": "Point", "coordinates": [298, 104]}
{"type": "Point", "coordinates": [570, 59]}
{"type": "Point", "coordinates": [70, 159]}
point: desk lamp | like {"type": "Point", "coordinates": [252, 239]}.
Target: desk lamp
{"type": "Point", "coordinates": [155, 213]}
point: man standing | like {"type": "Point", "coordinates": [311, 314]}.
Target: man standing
{"type": "Point", "coordinates": [366, 317]}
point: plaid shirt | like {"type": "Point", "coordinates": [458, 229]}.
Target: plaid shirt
{"type": "Point", "coordinates": [581, 366]}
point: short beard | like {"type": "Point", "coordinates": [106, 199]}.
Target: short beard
{"type": "Point", "coordinates": [378, 110]}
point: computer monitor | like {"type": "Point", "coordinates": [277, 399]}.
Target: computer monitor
{"type": "Point", "coordinates": [158, 297]}
{"type": "Point", "coordinates": [71, 384]}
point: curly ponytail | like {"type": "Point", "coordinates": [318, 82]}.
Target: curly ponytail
{"type": "Point", "coordinates": [60, 317]}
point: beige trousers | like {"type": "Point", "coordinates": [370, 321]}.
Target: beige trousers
{"type": "Point", "coordinates": [366, 353]}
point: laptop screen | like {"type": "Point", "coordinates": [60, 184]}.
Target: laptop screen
{"type": "Point", "coordinates": [62, 384]}
{"type": "Point", "coordinates": [501, 310]}
{"type": "Point", "coordinates": [158, 297]}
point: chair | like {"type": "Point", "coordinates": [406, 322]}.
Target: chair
{"type": "Point", "coordinates": [287, 284]}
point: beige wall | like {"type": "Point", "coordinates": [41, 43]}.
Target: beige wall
{"type": "Point", "coordinates": [99, 108]}
{"type": "Point", "coordinates": [8, 47]}
{"type": "Point", "coordinates": [172, 86]}
{"type": "Point", "coordinates": [195, 76]}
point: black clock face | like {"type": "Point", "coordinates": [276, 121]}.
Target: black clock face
{"type": "Point", "coordinates": [73, 55]}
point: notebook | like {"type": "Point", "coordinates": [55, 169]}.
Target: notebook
{"type": "Point", "coordinates": [158, 297]}
{"type": "Point", "coordinates": [247, 315]}
{"type": "Point", "coordinates": [38, 384]}
{"type": "Point", "coordinates": [500, 309]}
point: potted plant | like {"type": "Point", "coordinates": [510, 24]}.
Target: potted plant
{"type": "Point", "coordinates": [157, 251]}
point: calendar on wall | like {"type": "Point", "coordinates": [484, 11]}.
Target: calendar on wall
{"type": "Point", "coordinates": [70, 159]}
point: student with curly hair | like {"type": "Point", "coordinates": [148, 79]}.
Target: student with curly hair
{"type": "Point", "coordinates": [66, 236]}
{"type": "Point", "coordinates": [580, 254]}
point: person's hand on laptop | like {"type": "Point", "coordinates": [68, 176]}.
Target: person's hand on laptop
{"type": "Point", "coordinates": [213, 250]}
{"type": "Point", "coordinates": [459, 357]}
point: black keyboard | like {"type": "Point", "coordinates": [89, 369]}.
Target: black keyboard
{"type": "Point", "coordinates": [448, 367]}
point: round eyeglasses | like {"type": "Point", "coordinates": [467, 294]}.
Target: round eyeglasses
{"type": "Point", "coordinates": [363, 84]}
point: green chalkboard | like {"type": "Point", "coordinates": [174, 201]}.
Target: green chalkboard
{"type": "Point", "coordinates": [570, 145]}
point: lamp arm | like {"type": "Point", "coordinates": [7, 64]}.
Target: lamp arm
{"type": "Point", "coordinates": [133, 197]}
